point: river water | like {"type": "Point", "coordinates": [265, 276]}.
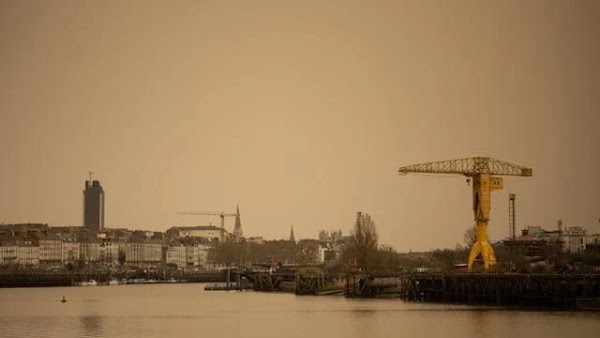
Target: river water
{"type": "Point", "coordinates": [186, 310]}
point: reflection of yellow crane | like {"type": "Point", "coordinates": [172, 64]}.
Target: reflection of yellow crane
{"type": "Point", "coordinates": [220, 214]}
{"type": "Point", "coordinates": [480, 170]}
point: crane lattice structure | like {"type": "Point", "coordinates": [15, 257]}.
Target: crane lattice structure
{"type": "Point", "coordinates": [479, 169]}
{"type": "Point", "coordinates": [209, 213]}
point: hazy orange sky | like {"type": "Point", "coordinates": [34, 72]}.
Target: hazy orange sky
{"type": "Point", "coordinates": [299, 111]}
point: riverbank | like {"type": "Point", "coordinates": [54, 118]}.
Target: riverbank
{"type": "Point", "coordinates": [20, 279]}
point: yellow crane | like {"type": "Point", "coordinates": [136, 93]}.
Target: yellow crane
{"type": "Point", "coordinates": [202, 213]}
{"type": "Point", "coordinates": [480, 170]}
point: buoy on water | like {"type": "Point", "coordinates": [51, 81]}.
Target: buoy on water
{"type": "Point", "coordinates": [63, 300]}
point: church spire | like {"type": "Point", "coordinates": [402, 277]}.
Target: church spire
{"type": "Point", "coordinates": [237, 229]}
{"type": "Point", "coordinates": [292, 238]}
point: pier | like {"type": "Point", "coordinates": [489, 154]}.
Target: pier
{"type": "Point", "coordinates": [556, 291]}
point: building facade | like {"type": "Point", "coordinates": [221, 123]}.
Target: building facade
{"type": "Point", "coordinates": [50, 250]}
{"type": "Point", "coordinates": [575, 239]}
{"type": "Point", "coordinates": [28, 255]}
{"type": "Point", "coordinates": [8, 254]}
{"type": "Point", "coordinates": [209, 232]}
{"type": "Point", "coordinates": [89, 252]}
{"type": "Point", "coordinates": [143, 252]}
{"type": "Point", "coordinates": [177, 255]}
{"type": "Point", "coordinates": [70, 252]}
{"type": "Point", "coordinates": [109, 252]}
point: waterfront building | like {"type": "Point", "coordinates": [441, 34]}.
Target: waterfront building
{"type": "Point", "coordinates": [208, 232]}
{"type": "Point", "coordinates": [109, 252]}
{"type": "Point", "coordinates": [203, 256]}
{"type": "Point", "coordinates": [537, 241]}
{"type": "Point", "coordinates": [70, 251]}
{"type": "Point", "coordinates": [28, 255]}
{"type": "Point", "coordinates": [533, 246]}
{"type": "Point", "coordinates": [143, 252]}
{"type": "Point", "coordinates": [192, 256]}
{"type": "Point", "coordinates": [188, 256]}
{"type": "Point", "coordinates": [89, 251]}
{"type": "Point", "coordinates": [8, 254]}
{"type": "Point", "coordinates": [50, 250]}
{"type": "Point", "coordinates": [313, 250]}
{"type": "Point", "coordinates": [197, 255]}
{"type": "Point", "coordinates": [93, 206]}
{"type": "Point", "coordinates": [177, 255]}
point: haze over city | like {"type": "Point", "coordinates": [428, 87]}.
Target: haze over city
{"type": "Point", "coordinates": [301, 113]}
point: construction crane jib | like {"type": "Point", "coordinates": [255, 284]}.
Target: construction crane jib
{"type": "Point", "coordinates": [201, 213]}
{"type": "Point", "coordinates": [480, 170]}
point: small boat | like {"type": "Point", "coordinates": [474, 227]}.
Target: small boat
{"type": "Point", "coordinates": [91, 282]}
{"type": "Point", "coordinates": [63, 300]}
{"type": "Point", "coordinates": [136, 281]}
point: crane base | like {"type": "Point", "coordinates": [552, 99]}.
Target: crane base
{"type": "Point", "coordinates": [483, 249]}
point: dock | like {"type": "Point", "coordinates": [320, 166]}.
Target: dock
{"type": "Point", "coordinates": [552, 291]}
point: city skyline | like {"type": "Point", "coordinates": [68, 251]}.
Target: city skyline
{"type": "Point", "coordinates": [302, 113]}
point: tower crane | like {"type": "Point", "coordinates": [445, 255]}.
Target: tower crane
{"type": "Point", "coordinates": [203, 213]}
{"type": "Point", "coordinates": [479, 169]}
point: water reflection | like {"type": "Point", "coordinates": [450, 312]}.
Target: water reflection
{"type": "Point", "coordinates": [92, 325]}
{"type": "Point", "coordinates": [185, 310]}
{"type": "Point", "coordinates": [481, 323]}
{"type": "Point", "coordinates": [364, 311]}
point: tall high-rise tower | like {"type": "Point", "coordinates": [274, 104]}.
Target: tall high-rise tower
{"type": "Point", "coordinates": [237, 229]}
{"type": "Point", "coordinates": [93, 205]}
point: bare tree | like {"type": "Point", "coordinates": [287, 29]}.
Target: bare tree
{"type": "Point", "coordinates": [364, 240]}
{"type": "Point", "coordinates": [470, 236]}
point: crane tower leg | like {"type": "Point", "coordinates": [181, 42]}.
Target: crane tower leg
{"type": "Point", "coordinates": [482, 186]}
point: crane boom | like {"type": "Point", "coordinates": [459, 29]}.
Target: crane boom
{"type": "Point", "coordinates": [203, 213]}
{"type": "Point", "coordinates": [468, 167]}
